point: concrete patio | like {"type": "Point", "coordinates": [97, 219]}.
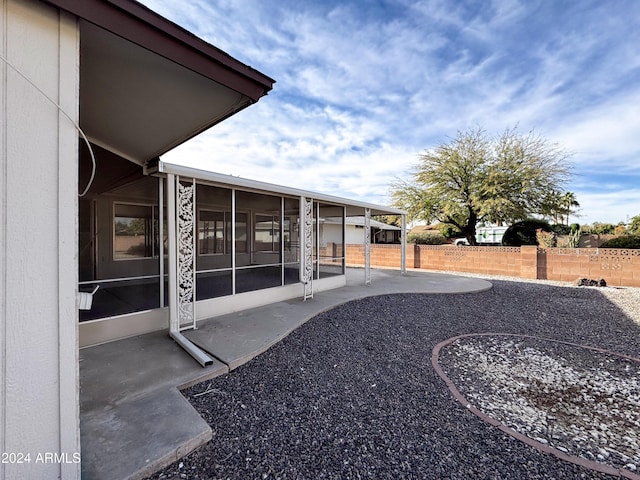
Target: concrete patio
{"type": "Point", "coordinates": [133, 418]}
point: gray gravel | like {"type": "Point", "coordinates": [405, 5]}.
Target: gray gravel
{"type": "Point", "coordinates": [352, 393]}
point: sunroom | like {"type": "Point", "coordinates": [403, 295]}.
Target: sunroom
{"type": "Point", "coordinates": [224, 244]}
{"type": "Point", "coordinates": [162, 245]}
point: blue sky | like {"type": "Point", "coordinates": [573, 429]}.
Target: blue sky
{"type": "Point", "coordinates": [363, 87]}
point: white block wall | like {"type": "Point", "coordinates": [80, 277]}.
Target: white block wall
{"type": "Point", "coordinates": [38, 266]}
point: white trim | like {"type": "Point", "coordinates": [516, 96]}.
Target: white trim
{"type": "Point", "coordinates": [367, 246]}
{"type": "Point", "coordinates": [104, 330]}
{"type": "Point", "coordinates": [214, 307]}
{"type": "Point", "coordinates": [233, 241]}
{"type": "Point", "coordinates": [403, 245]}
{"type": "Point", "coordinates": [68, 355]}
{"type": "Point", "coordinates": [161, 237]}
{"type": "Point", "coordinates": [231, 181]}
{"type": "Point", "coordinates": [174, 321]}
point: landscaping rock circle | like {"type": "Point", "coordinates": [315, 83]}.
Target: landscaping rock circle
{"type": "Point", "coordinates": [579, 403]}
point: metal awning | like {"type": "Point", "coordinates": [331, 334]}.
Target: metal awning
{"type": "Point", "coordinates": [353, 207]}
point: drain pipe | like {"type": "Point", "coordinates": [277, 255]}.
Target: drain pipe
{"type": "Point", "coordinates": [201, 357]}
{"type": "Point", "coordinates": [174, 321]}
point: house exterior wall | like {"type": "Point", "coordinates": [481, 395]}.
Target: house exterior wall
{"type": "Point", "coordinates": [38, 264]}
{"type": "Point", "coordinates": [331, 233]}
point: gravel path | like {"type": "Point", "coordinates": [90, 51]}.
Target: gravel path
{"type": "Point", "coordinates": [352, 393]}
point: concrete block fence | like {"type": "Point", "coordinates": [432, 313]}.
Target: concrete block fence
{"type": "Point", "coordinates": [619, 267]}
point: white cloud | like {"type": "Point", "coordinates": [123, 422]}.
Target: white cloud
{"type": "Point", "coordinates": [358, 95]}
{"type": "Point", "coordinates": [612, 207]}
{"type": "Point", "coordinates": [606, 135]}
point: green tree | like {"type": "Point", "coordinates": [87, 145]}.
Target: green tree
{"type": "Point", "coordinates": [634, 225]}
{"type": "Point", "coordinates": [569, 202]}
{"type": "Point", "coordinates": [395, 220]}
{"type": "Point", "coordinates": [476, 179]}
{"type": "Point", "coordinates": [602, 228]}
{"type": "Point", "coordinates": [553, 207]}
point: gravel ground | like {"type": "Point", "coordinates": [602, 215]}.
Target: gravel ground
{"type": "Point", "coordinates": [579, 401]}
{"type": "Point", "coordinates": [352, 394]}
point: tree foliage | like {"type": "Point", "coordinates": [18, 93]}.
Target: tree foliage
{"type": "Point", "coordinates": [426, 238]}
{"type": "Point", "coordinates": [623, 241]}
{"type": "Point", "coordinates": [634, 225]}
{"type": "Point", "coordinates": [475, 178]}
{"type": "Point", "coordinates": [602, 228]}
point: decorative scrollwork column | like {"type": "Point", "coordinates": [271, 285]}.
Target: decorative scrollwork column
{"type": "Point", "coordinates": [186, 253]}
{"type": "Point", "coordinates": [367, 246]}
{"type": "Point", "coordinates": [306, 270]}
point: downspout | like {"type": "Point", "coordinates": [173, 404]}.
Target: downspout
{"type": "Point", "coordinates": [174, 320]}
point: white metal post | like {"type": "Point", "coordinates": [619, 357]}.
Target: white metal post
{"type": "Point", "coordinates": [194, 234]}
{"type": "Point", "coordinates": [282, 269]}
{"type": "Point", "coordinates": [306, 235]}
{"type": "Point", "coordinates": [344, 240]}
{"type": "Point", "coordinates": [174, 321]}
{"type": "Point", "coordinates": [403, 245]}
{"type": "Point", "coordinates": [174, 251]}
{"type": "Point", "coordinates": [186, 253]}
{"type": "Point", "coordinates": [161, 237]}
{"type": "Point", "coordinates": [316, 224]}
{"type": "Point", "coordinates": [233, 241]}
{"type": "Point", "coordinates": [367, 246]}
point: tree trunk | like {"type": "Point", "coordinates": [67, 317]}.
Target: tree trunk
{"type": "Point", "coordinates": [470, 229]}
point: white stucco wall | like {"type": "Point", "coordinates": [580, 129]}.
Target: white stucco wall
{"type": "Point", "coordinates": [333, 233]}
{"type": "Point", "coordinates": [38, 266]}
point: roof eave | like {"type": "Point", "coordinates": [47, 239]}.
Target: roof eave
{"type": "Point", "coordinates": [142, 26]}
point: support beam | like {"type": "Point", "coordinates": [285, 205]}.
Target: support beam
{"type": "Point", "coordinates": [403, 245]}
{"type": "Point", "coordinates": [186, 218]}
{"type": "Point", "coordinates": [367, 246]}
{"type": "Point", "coordinates": [306, 237]}
{"type": "Point", "coordinates": [174, 279]}
{"type": "Point", "coordinates": [174, 320]}
{"type": "Point", "coordinates": [161, 237]}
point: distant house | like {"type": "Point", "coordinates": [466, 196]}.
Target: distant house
{"type": "Point", "coordinates": [425, 229]}
{"type": "Point", "coordinates": [331, 231]}
{"type": "Point", "coordinates": [94, 92]}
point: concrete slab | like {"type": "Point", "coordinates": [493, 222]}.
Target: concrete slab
{"type": "Point", "coordinates": [134, 421]}
{"type": "Point", "coordinates": [119, 371]}
{"type": "Point", "coordinates": [137, 437]}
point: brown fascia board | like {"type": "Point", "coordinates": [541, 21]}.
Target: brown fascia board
{"type": "Point", "coordinates": [136, 23]}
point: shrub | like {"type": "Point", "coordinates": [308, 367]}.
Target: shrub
{"type": "Point", "coordinates": [524, 232]}
{"type": "Point", "coordinates": [602, 228]}
{"type": "Point", "coordinates": [623, 241]}
{"type": "Point", "coordinates": [620, 229]}
{"type": "Point", "coordinates": [426, 239]}
{"type": "Point", "coordinates": [546, 239]}
{"type": "Point", "coordinates": [449, 231]}
{"type": "Point", "coordinates": [560, 229]}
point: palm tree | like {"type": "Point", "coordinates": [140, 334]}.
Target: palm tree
{"type": "Point", "coordinates": [553, 207]}
{"type": "Point", "coordinates": [569, 201]}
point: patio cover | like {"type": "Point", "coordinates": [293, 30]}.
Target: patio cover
{"type": "Point", "coordinates": [147, 85]}
{"type": "Point", "coordinates": [354, 208]}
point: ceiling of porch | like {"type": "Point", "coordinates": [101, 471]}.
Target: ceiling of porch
{"type": "Point", "coordinates": [139, 104]}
